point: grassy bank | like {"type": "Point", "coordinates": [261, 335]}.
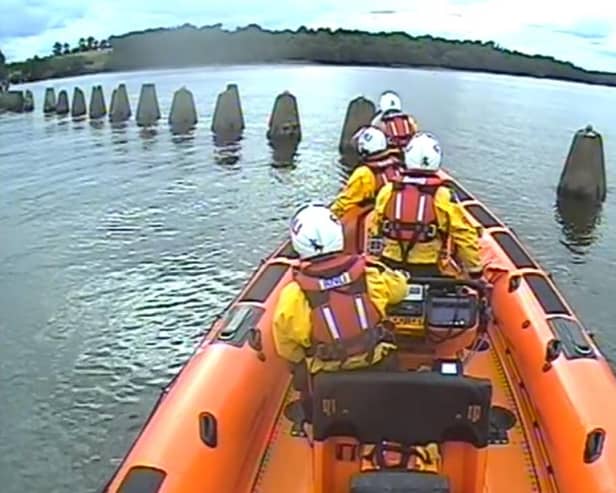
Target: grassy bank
{"type": "Point", "coordinates": [191, 46]}
{"type": "Point", "coordinates": [52, 67]}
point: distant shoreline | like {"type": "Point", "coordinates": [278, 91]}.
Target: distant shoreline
{"type": "Point", "coordinates": [434, 68]}
{"type": "Point", "coordinates": [188, 46]}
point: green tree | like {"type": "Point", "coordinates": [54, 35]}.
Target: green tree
{"type": "Point", "coordinates": [83, 46]}
{"type": "Point", "coordinates": [66, 48]}
{"type": "Point", "coordinates": [90, 42]}
{"type": "Point", "coordinates": [57, 48]}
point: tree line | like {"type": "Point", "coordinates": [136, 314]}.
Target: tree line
{"type": "Point", "coordinates": [88, 56]}
{"type": "Point", "coordinates": [84, 44]}
{"type": "Point", "coordinates": [188, 45]}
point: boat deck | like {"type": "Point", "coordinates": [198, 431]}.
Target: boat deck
{"type": "Point", "coordinates": [287, 465]}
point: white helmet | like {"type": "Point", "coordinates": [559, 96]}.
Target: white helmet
{"type": "Point", "coordinates": [316, 231]}
{"type": "Point", "coordinates": [390, 101]}
{"type": "Point", "coordinates": [371, 140]}
{"type": "Point", "coordinates": [423, 153]}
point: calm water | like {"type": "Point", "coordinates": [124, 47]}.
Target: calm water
{"type": "Point", "coordinates": [118, 247]}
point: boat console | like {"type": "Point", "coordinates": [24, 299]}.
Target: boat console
{"type": "Point", "coordinates": [438, 318]}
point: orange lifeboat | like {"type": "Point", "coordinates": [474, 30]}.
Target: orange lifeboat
{"type": "Point", "coordinates": [505, 392]}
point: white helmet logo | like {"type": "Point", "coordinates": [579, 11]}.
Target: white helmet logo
{"type": "Point", "coordinates": [316, 245]}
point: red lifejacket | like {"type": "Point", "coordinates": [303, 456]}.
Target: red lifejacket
{"type": "Point", "coordinates": [398, 128]}
{"type": "Point", "coordinates": [410, 214]}
{"type": "Point", "coordinates": [385, 167]}
{"type": "Point", "coordinates": [345, 322]}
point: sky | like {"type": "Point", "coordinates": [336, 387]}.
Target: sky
{"type": "Point", "coordinates": [583, 32]}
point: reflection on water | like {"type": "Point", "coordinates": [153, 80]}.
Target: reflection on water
{"type": "Point", "coordinates": [184, 137]}
{"type": "Point", "coordinates": [148, 133]}
{"type": "Point", "coordinates": [578, 219]}
{"type": "Point", "coordinates": [284, 151]}
{"type": "Point", "coordinates": [119, 137]}
{"type": "Point", "coordinates": [148, 137]}
{"type": "Point", "coordinates": [98, 123]}
{"type": "Point", "coordinates": [227, 146]}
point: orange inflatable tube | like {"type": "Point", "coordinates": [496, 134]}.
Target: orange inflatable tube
{"type": "Point", "coordinates": [560, 374]}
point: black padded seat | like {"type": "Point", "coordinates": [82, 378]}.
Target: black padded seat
{"type": "Point", "coordinates": [411, 408]}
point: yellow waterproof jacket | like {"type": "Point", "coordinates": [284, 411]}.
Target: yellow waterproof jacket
{"type": "Point", "coordinates": [361, 186]}
{"type": "Point", "coordinates": [451, 221]}
{"type": "Point", "coordinates": [293, 327]}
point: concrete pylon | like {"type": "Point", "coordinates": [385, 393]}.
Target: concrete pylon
{"type": "Point", "coordinates": [583, 175]}
{"type": "Point", "coordinates": [98, 109]}
{"type": "Point", "coordinates": [50, 101]}
{"type": "Point", "coordinates": [284, 121]}
{"type": "Point", "coordinates": [62, 107]}
{"type": "Point", "coordinates": [148, 111]}
{"type": "Point", "coordinates": [28, 101]}
{"type": "Point", "coordinates": [228, 115]}
{"type": "Point", "coordinates": [12, 101]}
{"type": "Point", "coordinates": [359, 113]}
{"type": "Point", "coordinates": [113, 98]}
{"type": "Point", "coordinates": [78, 108]}
{"type": "Point", "coordinates": [120, 105]}
{"type": "Point", "coordinates": [183, 115]}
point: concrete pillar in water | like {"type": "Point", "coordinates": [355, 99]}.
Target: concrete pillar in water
{"type": "Point", "coordinates": [148, 111]}
{"type": "Point", "coordinates": [284, 121]}
{"type": "Point", "coordinates": [78, 108]}
{"type": "Point", "coordinates": [50, 101]}
{"type": "Point", "coordinates": [359, 113]}
{"type": "Point", "coordinates": [583, 175]}
{"type": "Point", "coordinates": [62, 103]}
{"type": "Point", "coordinates": [97, 103]}
{"type": "Point", "coordinates": [183, 115]}
{"type": "Point", "coordinates": [228, 116]}
{"type": "Point", "coordinates": [120, 106]}
{"type": "Point", "coordinates": [12, 101]}
{"type": "Point", "coordinates": [28, 101]}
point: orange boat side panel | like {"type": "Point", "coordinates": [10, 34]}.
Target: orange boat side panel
{"type": "Point", "coordinates": [510, 466]}
{"type": "Point", "coordinates": [287, 464]}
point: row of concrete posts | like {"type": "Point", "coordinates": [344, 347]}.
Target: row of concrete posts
{"type": "Point", "coordinates": [583, 174]}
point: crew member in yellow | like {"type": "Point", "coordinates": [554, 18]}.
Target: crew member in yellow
{"type": "Point", "coordinates": [379, 165]}
{"type": "Point", "coordinates": [417, 214]}
{"type": "Point", "coordinates": [331, 314]}
{"type": "Point", "coordinates": [399, 127]}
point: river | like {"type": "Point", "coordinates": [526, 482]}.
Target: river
{"type": "Point", "coordinates": [118, 246]}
